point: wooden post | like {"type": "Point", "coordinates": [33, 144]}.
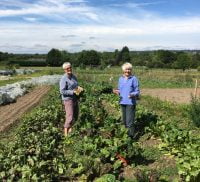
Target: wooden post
{"type": "Point", "coordinates": [195, 90]}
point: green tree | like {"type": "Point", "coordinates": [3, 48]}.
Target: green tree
{"type": "Point", "coordinates": [118, 57]}
{"type": "Point", "coordinates": [195, 60]}
{"type": "Point", "coordinates": [54, 57]}
{"type": "Point", "coordinates": [141, 58]}
{"type": "Point", "coordinates": [66, 57]}
{"type": "Point", "coordinates": [183, 61]}
{"type": "Point", "coordinates": [116, 53]}
{"type": "Point", "coordinates": [155, 64]}
{"type": "Point", "coordinates": [90, 57]}
{"type": "Point", "coordinates": [4, 56]}
{"type": "Point", "coordinates": [107, 58]}
{"type": "Point", "coordinates": [164, 56]}
{"type": "Point", "coordinates": [125, 54]}
{"type": "Point", "coordinates": [1, 56]}
{"type": "Point", "coordinates": [122, 56]}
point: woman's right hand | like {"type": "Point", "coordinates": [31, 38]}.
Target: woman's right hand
{"type": "Point", "coordinates": [116, 91]}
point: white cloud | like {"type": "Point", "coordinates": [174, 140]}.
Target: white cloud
{"type": "Point", "coordinates": [138, 5]}
{"type": "Point", "coordinates": [52, 9]}
{"type": "Point", "coordinates": [101, 29]}
{"type": "Point", "coordinates": [168, 33]}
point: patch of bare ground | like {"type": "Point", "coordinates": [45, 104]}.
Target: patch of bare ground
{"type": "Point", "coordinates": [10, 113]}
{"type": "Point", "coordinates": [164, 167]}
{"type": "Point", "coordinates": [152, 142]}
{"type": "Point", "coordinates": [151, 173]}
{"type": "Point", "coordinates": [178, 95]}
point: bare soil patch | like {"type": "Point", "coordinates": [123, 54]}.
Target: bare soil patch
{"type": "Point", "coordinates": [9, 114]}
{"type": "Point", "coordinates": [181, 96]}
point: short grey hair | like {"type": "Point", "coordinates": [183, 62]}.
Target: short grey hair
{"type": "Point", "coordinates": [66, 65]}
{"type": "Point", "coordinates": [127, 66]}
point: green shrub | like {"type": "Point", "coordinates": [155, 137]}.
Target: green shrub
{"type": "Point", "coordinates": [28, 63]}
{"type": "Point", "coordinates": [194, 111]}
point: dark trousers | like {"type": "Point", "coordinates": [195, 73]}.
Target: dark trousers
{"type": "Point", "coordinates": [128, 117]}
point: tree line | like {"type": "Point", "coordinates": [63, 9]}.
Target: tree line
{"type": "Point", "coordinates": [150, 59]}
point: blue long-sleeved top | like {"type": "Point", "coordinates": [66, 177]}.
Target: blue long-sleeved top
{"type": "Point", "coordinates": [128, 87]}
{"type": "Point", "coordinates": [67, 85]}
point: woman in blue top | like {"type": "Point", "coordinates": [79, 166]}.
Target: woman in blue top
{"type": "Point", "coordinates": [128, 90]}
{"type": "Point", "coordinates": [68, 88]}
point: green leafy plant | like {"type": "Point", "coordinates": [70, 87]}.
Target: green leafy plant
{"type": "Point", "coordinates": [194, 111]}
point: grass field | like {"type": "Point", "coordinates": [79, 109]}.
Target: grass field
{"type": "Point", "coordinates": [149, 78]}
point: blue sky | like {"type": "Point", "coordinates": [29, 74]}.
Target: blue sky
{"type": "Point", "coordinates": [36, 26]}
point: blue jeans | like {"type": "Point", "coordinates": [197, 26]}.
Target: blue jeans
{"type": "Point", "coordinates": [128, 117]}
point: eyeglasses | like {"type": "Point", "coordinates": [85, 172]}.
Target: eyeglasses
{"type": "Point", "coordinates": [69, 68]}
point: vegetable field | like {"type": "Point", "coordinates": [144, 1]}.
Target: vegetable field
{"type": "Point", "coordinates": [99, 149]}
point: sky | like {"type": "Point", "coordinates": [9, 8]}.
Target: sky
{"type": "Point", "coordinates": [36, 26]}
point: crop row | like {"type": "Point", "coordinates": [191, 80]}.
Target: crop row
{"type": "Point", "coordinates": [98, 147]}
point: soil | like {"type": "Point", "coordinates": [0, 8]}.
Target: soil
{"type": "Point", "coordinates": [181, 96]}
{"type": "Point", "coordinates": [12, 112]}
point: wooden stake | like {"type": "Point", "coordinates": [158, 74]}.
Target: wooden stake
{"type": "Point", "coordinates": [195, 90]}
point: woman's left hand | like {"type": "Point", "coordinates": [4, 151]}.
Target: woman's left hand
{"type": "Point", "coordinates": [131, 96]}
{"type": "Point", "coordinates": [78, 90]}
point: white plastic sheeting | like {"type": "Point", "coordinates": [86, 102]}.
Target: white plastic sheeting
{"type": "Point", "coordinates": [17, 71]}
{"type": "Point", "coordinates": [7, 72]}
{"type": "Point", "coordinates": [24, 71]}
{"type": "Point", "coordinates": [10, 92]}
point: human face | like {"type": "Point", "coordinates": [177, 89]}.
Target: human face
{"type": "Point", "coordinates": [127, 72]}
{"type": "Point", "coordinates": [68, 70]}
